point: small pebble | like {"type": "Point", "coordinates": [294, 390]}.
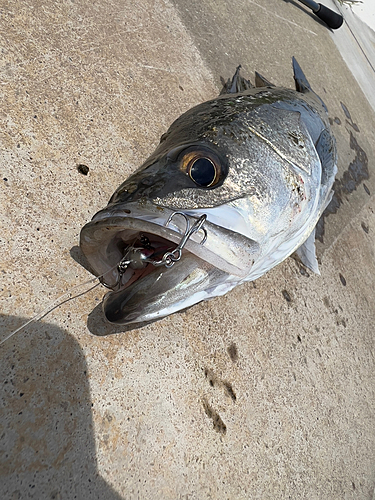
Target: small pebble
{"type": "Point", "coordinates": [83, 169]}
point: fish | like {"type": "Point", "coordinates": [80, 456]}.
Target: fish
{"type": "Point", "coordinates": [236, 185]}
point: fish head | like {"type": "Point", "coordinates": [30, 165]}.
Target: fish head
{"type": "Point", "coordinates": [192, 174]}
{"type": "Point", "coordinates": [235, 186]}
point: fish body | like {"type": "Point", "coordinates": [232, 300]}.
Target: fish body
{"type": "Point", "coordinates": [236, 185]}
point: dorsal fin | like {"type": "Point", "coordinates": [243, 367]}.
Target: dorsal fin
{"type": "Point", "coordinates": [260, 81]}
{"type": "Point", "coordinates": [302, 84]}
{"type": "Point", "coordinates": [236, 85]}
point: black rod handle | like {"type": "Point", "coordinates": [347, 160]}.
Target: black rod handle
{"type": "Point", "coordinates": [331, 18]}
{"type": "Point", "coordinates": [311, 4]}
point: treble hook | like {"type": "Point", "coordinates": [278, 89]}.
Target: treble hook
{"type": "Point", "coordinates": [169, 258]}
{"type": "Point", "coordinates": [137, 257]}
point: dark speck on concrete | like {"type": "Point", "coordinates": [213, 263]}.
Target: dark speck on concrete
{"type": "Point", "coordinates": [365, 227]}
{"type": "Point", "coordinates": [210, 377]}
{"type": "Point", "coordinates": [303, 271]}
{"type": "Point", "coordinates": [342, 279]}
{"type": "Point", "coordinates": [219, 425]}
{"type": "Point", "coordinates": [229, 391]}
{"type": "Point", "coordinates": [83, 169]}
{"type": "Point", "coordinates": [349, 118]}
{"type": "Point", "coordinates": [286, 296]}
{"type": "Point", "coordinates": [366, 189]}
{"type": "Point", "coordinates": [233, 352]}
{"type": "Point", "coordinates": [346, 111]}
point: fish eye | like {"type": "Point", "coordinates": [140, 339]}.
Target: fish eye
{"type": "Point", "coordinates": [203, 172]}
{"type": "Point", "coordinates": [203, 167]}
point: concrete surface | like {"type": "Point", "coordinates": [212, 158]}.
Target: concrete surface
{"type": "Point", "coordinates": [268, 392]}
{"type": "Point", "coordinates": [365, 10]}
{"type": "Point", "coordinates": [356, 42]}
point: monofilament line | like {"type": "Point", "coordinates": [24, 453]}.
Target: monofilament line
{"type": "Point", "coordinates": [62, 299]}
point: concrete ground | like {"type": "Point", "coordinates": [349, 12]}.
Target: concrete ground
{"type": "Point", "coordinates": [356, 42]}
{"type": "Point", "coordinates": [268, 392]}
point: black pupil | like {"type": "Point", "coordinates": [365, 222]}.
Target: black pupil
{"type": "Point", "coordinates": [203, 172]}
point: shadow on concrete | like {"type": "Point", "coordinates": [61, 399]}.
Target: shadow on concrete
{"type": "Point", "coordinates": [77, 255]}
{"type": "Point", "coordinates": [47, 447]}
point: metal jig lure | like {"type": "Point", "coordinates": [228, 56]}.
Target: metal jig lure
{"type": "Point", "coordinates": [138, 258]}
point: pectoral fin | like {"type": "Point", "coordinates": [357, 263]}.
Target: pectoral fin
{"type": "Point", "coordinates": [307, 255]}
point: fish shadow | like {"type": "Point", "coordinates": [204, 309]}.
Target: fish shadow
{"type": "Point", "coordinates": [77, 255]}
{"type": "Point", "coordinates": [47, 445]}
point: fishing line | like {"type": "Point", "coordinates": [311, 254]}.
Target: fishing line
{"type": "Point", "coordinates": [62, 299]}
{"type": "Point", "coordinates": [168, 260]}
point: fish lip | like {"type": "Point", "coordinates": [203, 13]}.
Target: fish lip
{"type": "Point", "coordinates": [145, 301]}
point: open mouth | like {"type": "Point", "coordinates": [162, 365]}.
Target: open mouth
{"type": "Point", "coordinates": [111, 234]}
{"type": "Point", "coordinates": [124, 250]}
{"type": "Point", "coordinates": [134, 255]}
{"type": "Point", "coordinates": [156, 260]}
{"type": "Point", "coordinates": [147, 272]}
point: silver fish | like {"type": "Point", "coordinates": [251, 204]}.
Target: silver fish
{"type": "Point", "coordinates": [236, 185]}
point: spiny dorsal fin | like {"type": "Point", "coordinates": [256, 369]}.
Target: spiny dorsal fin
{"type": "Point", "coordinates": [260, 81]}
{"type": "Point", "coordinates": [236, 85]}
{"type": "Point", "coordinates": [302, 84]}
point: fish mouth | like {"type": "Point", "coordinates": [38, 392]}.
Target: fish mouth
{"type": "Point", "coordinates": [129, 248]}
